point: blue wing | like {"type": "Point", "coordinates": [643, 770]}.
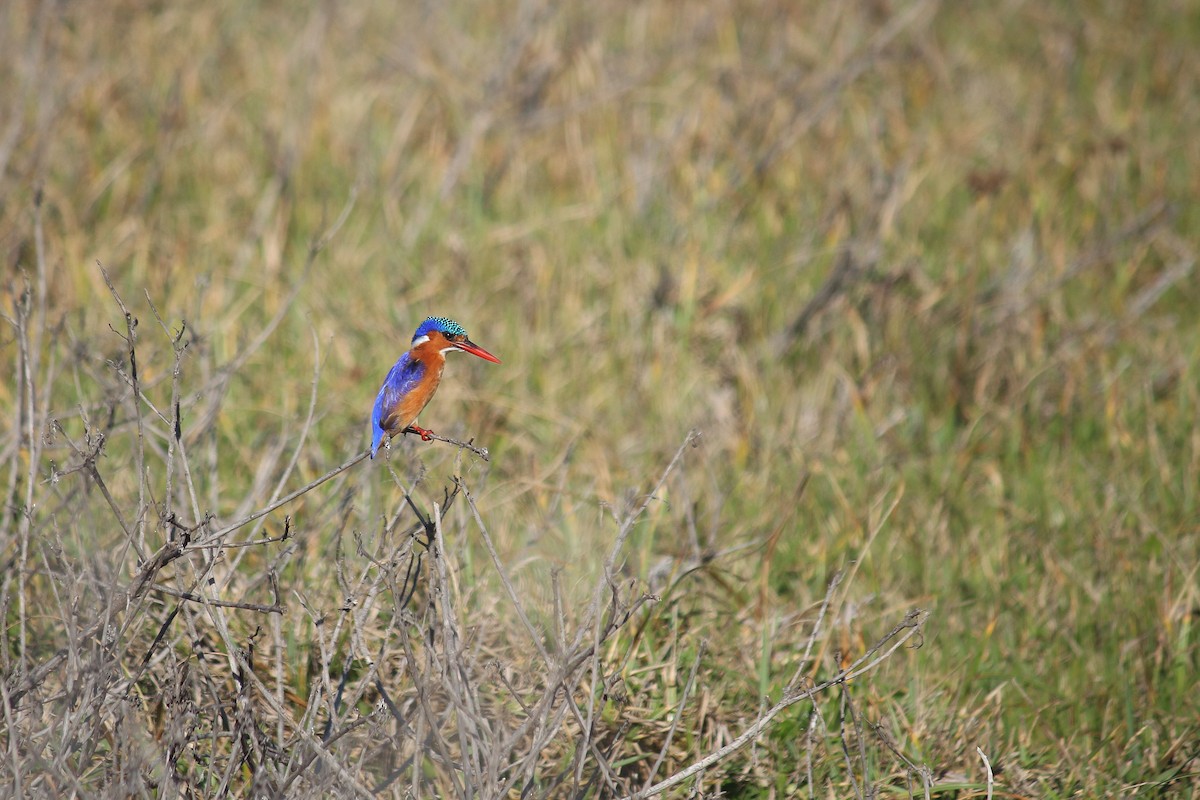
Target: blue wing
{"type": "Point", "coordinates": [404, 376]}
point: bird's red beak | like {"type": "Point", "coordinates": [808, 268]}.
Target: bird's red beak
{"type": "Point", "coordinates": [468, 346]}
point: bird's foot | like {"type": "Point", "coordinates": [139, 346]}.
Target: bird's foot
{"type": "Point", "coordinates": [425, 434]}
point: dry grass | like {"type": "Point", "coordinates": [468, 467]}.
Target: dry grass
{"type": "Point", "coordinates": [921, 274]}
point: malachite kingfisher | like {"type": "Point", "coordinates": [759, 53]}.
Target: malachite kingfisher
{"type": "Point", "coordinates": [415, 377]}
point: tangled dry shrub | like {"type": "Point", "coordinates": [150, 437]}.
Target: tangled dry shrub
{"type": "Point", "coordinates": [154, 649]}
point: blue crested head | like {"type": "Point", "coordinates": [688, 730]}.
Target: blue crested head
{"type": "Point", "coordinates": [443, 324]}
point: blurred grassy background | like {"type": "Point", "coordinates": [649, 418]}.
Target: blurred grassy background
{"type": "Point", "coordinates": [939, 257]}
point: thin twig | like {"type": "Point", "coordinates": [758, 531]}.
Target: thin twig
{"type": "Point", "coordinates": [262, 512]}
{"type": "Point", "coordinates": [847, 706]}
{"type": "Point", "coordinates": [910, 626]}
{"type": "Point", "coordinates": [195, 598]}
{"type": "Point", "coordinates": [988, 766]}
{"type": "Point", "coordinates": [921, 771]}
{"type": "Point", "coordinates": [178, 345]}
{"type": "Point", "coordinates": [601, 760]}
{"type": "Point", "coordinates": [130, 338]}
{"type": "Point", "coordinates": [605, 577]}
{"type": "Point", "coordinates": [298, 448]}
{"type": "Point", "coordinates": [482, 452]}
{"type": "Point", "coordinates": [687, 690]}
{"type": "Point", "coordinates": [503, 573]}
{"type": "Point", "coordinates": [812, 637]}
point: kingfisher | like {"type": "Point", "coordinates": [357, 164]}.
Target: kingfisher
{"type": "Point", "coordinates": [415, 377]}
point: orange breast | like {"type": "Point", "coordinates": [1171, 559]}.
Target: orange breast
{"type": "Point", "coordinates": [410, 405]}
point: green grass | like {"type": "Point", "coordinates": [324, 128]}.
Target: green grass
{"type": "Point", "coordinates": [631, 204]}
